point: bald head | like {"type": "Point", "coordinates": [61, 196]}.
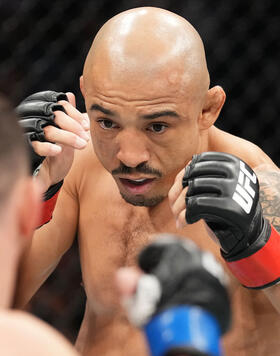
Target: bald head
{"type": "Point", "coordinates": [148, 43]}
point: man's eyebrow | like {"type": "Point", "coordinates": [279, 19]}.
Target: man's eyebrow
{"type": "Point", "coordinates": [103, 110]}
{"type": "Point", "coordinates": [156, 115]}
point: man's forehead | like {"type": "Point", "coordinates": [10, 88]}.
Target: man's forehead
{"type": "Point", "coordinates": [138, 102]}
{"type": "Point", "coordinates": [142, 77]}
{"type": "Point", "coordinates": [137, 85]}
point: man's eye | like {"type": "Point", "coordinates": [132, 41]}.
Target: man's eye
{"type": "Point", "coordinates": [157, 128]}
{"type": "Point", "coordinates": [107, 124]}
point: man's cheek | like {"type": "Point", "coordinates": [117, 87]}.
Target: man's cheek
{"type": "Point", "coordinates": [100, 145]}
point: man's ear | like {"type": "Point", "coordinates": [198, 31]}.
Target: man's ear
{"type": "Point", "coordinates": [30, 207]}
{"type": "Point", "coordinates": [212, 107]}
{"type": "Point", "coordinates": [82, 85]}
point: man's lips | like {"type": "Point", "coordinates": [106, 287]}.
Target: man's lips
{"type": "Point", "coordinates": [137, 186]}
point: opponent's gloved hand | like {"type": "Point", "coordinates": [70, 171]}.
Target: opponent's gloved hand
{"type": "Point", "coordinates": [53, 129]}
{"type": "Point", "coordinates": [224, 191]}
{"type": "Point", "coordinates": [181, 301]}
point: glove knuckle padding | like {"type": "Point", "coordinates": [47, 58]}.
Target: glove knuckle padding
{"type": "Point", "coordinates": [38, 110]}
{"type": "Point", "coordinates": [209, 186]}
{"type": "Point", "coordinates": [184, 279]}
{"type": "Point", "coordinates": [48, 96]}
{"type": "Point", "coordinates": [35, 113]}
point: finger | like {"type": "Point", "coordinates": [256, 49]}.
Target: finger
{"type": "Point", "coordinates": [46, 148]}
{"type": "Point", "coordinates": [174, 193]}
{"type": "Point", "coordinates": [176, 188]}
{"type": "Point", "coordinates": [70, 139]}
{"type": "Point", "coordinates": [181, 220]}
{"type": "Point", "coordinates": [74, 113]}
{"type": "Point", "coordinates": [85, 116]}
{"type": "Point", "coordinates": [68, 124]}
{"type": "Point", "coordinates": [180, 203]}
{"type": "Point", "coordinates": [71, 98]}
{"type": "Point", "coordinates": [180, 175]}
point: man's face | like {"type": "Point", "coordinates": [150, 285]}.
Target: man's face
{"type": "Point", "coordinates": [144, 131]}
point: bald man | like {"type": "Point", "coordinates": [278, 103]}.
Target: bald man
{"type": "Point", "coordinates": [21, 334]}
{"type": "Point", "coordinates": [146, 90]}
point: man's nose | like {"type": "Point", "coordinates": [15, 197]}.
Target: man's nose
{"type": "Point", "coordinates": [132, 148]}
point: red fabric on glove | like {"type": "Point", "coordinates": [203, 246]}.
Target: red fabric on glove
{"type": "Point", "coordinates": [261, 269]}
{"type": "Point", "coordinates": [47, 210]}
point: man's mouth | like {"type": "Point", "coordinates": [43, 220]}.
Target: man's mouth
{"type": "Point", "coordinates": [137, 186]}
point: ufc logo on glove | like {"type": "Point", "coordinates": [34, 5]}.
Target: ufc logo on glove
{"type": "Point", "coordinates": [244, 193]}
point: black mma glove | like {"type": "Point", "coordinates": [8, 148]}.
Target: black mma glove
{"type": "Point", "coordinates": [36, 112]}
{"type": "Point", "coordinates": [181, 301]}
{"type": "Point", "coordinates": [224, 191]}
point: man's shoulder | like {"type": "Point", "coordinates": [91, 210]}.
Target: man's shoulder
{"type": "Point", "coordinates": [23, 334]}
{"type": "Point", "coordinates": [249, 152]}
{"type": "Point", "coordinates": [87, 158]}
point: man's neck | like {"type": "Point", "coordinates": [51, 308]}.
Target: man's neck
{"type": "Point", "coordinates": [161, 213]}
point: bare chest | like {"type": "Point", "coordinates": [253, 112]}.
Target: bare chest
{"type": "Point", "coordinates": [111, 234]}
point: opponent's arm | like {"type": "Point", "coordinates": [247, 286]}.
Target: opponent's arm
{"type": "Point", "coordinates": [53, 130]}
{"type": "Point", "coordinates": [180, 301]}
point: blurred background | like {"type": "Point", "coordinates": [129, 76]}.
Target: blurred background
{"type": "Point", "coordinates": [43, 45]}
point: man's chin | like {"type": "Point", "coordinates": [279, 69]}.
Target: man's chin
{"type": "Point", "coordinates": [140, 200]}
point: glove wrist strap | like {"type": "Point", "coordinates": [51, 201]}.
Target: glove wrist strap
{"type": "Point", "coordinates": [183, 328]}
{"type": "Point", "coordinates": [262, 268]}
{"type": "Point", "coordinates": [49, 202]}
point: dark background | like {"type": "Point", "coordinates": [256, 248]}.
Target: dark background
{"type": "Point", "coordinates": [43, 45]}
